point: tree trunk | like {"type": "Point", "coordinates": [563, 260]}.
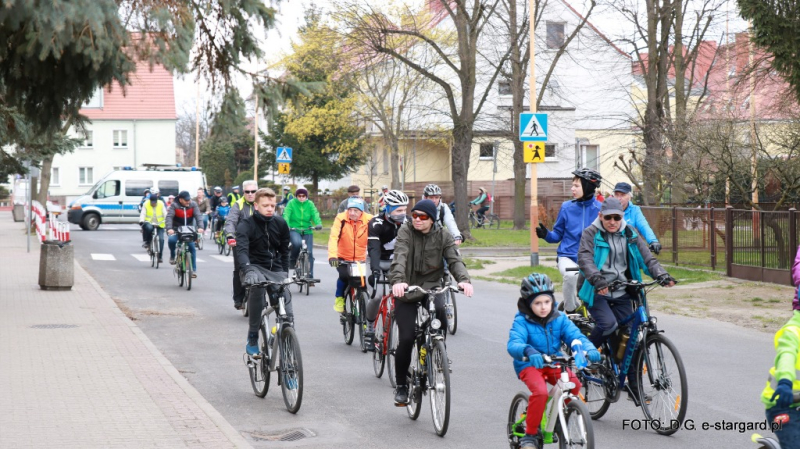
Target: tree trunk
{"type": "Point", "coordinates": [519, 186]}
{"type": "Point", "coordinates": [462, 145]}
{"type": "Point", "coordinates": [44, 180]}
{"type": "Point", "coordinates": [395, 162]}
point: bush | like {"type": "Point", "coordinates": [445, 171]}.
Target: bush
{"type": "Point", "coordinates": [3, 192]}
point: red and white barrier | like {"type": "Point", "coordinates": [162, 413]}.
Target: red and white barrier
{"type": "Point", "coordinates": [52, 229]}
{"type": "Point", "coordinates": [59, 230]}
{"type": "Point", "coordinates": [38, 219]}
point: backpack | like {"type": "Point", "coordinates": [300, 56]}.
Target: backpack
{"type": "Point", "coordinates": [489, 198]}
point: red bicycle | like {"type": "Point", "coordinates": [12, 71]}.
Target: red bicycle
{"type": "Point", "coordinates": [385, 333]}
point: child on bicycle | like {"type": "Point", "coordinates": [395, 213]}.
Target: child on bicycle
{"type": "Point", "coordinates": [782, 384]}
{"type": "Point", "coordinates": [539, 329]}
{"type": "Point", "coordinates": [222, 211]}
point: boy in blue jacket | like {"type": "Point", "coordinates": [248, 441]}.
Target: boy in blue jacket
{"type": "Point", "coordinates": [222, 212]}
{"type": "Point", "coordinates": [539, 329]}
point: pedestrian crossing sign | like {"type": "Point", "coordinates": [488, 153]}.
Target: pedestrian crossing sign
{"type": "Point", "coordinates": [284, 155]}
{"type": "Point", "coordinates": [284, 168]}
{"type": "Point", "coordinates": [533, 152]}
{"type": "Point", "coordinates": [532, 127]}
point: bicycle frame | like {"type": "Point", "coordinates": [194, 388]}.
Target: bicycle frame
{"type": "Point", "coordinates": [281, 322]}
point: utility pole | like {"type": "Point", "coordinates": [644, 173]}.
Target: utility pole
{"type": "Point", "coordinates": [255, 140]}
{"type": "Point", "coordinates": [197, 126]}
{"type": "Point", "coordinates": [534, 175]}
{"type": "Point", "coordinates": [495, 146]}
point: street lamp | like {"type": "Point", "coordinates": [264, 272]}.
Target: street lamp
{"type": "Point", "coordinates": [494, 171]}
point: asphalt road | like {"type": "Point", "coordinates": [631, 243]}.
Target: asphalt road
{"type": "Point", "coordinates": [346, 406]}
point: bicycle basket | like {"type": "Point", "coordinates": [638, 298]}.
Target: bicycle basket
{"type": "Point", "coordinates": [358, 274]}
{"type": "Point", "coordinates": [187, 234]}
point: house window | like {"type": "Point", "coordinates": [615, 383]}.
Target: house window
{"type": "Point", "coordinates": [85, 176]}
{"type": "Point", "coordinates": [549, 150]}
{"type": "Point", "coordinates": [590, 156]}
{"type": "Point", "coordinates": [555, 35]}
{"type": "Point", "coordinates": [55, 176]}
{"type": "Point", "coordinates": [96, 102]}
{"type": "Point", "coordinates": [88, 139]}
{"type": "Point", "coordinates": [504, 87]}
{"type": "Point", "coordinates": [487, 151]}
{"type": "Point", "coordinates": [121, 138]}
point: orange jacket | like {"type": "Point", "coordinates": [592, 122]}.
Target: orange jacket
{"type": "Point", "coordinates": [348, 239]}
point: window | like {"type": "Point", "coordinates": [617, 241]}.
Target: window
{"type": "Point", "coordinates": [549, 150]}
{"type": "Point", "coordinates": [487, 151]}
{"type": "Point", "coordinates": [108, 190]}
{"type": "Point", "coordinates": [136, 187]}
{"type": "Point", "coordinates": [555, 35]}
{"type": "Point", "coordinates": [88, 139]}
{"type": "Point", "coordinates": [55, 176]}
{"type": "Point", "coordinates": [85, 176]}
{"type": "Point", "coordinates": [121, 138]}
{"type": "Point", "coordinates": [167, 188]}
{"type": "Point", "coordinates": [96, 102]}
{"type": "Point", "coordinates": [590, 156]}
{"type": "Point", "coordinates": [504, 87]}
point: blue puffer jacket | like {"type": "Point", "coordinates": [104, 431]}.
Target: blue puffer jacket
{"type": "Point", "coordinates": [542, 334]}
{"type": "Point", "coordinates": [635, 218]}
{"type": "Point", "coordinates": [573, 218]}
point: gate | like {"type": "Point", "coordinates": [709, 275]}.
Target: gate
{"type": "Point", "coordinates": [761, 245]}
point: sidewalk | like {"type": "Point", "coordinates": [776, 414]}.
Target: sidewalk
{"type": "Point", "coordinates": [76, 372]}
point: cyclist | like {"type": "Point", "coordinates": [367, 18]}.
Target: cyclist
{"type": "Point", "coordinates": [183, 212]}
{"type": "Point", "coordinates": [204, 205]}
{"type": "Point", "coordinates": [145, 198]}
{"type": "Point", "coordinates": [611, 250]}
{"type": "Point", "coordinates": [348, 241]}
{"type": "Point", "coordinates": [635, 217]}
{"type": "Point", "coordinates": [170, 200]}
{"type": "Point", "coordinates": [222, 212]}
{"type": "Point", "coordinates": [287, 196]}
{"type": "Point", "coordinates": [539, 329]}
{"type": "Point", "coordinates": [573, 218]}
{"type": "Point", "coordinates": [240, 210]}
{"type": "Point", "coordinates": [301, 213]}
{"type": "Point", "coordinates": [419, 255]}
{"type": "Point", "coordinates": [444, 216]}
{"type": "Point", "coordinates": [480, 202]}
{"type": "Point", "coordinates": [352, 191]}
{"type": "Point", "coordinates": [783, 384]}
{"type": "Point", "coordinates": [234, 196]}
{"type": "Point", "coordinates": [382, 197]}
{"type": "Point", "coordinates": [216, 198]}
{"type": "Point", "coordinates": [382, 237]}
{"type": "Point", "coordinates": [263, 254]}
{"type": "Point", "coordinates": [153, 217]}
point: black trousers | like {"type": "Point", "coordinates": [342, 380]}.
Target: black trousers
{"type": "Point", "coordinates": [238, 290]}
{"type": "Point", "coordinates": [405, 314]}
{"type": "Point", "coordinates": [256, 299]}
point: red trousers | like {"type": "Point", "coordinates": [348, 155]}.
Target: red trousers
{"type": "Point", "coordinates": [535, 380]}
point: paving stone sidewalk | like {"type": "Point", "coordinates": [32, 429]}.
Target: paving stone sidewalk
{"type": "Point", "coordinates": [76, 372]}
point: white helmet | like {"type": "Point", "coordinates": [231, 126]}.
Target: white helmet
{"type": "Point", "coordinates": [432, 189]}
{"type": "Point", "coordinates": [396, 198]}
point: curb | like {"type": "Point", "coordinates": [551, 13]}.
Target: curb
{"type": "Point", "coordinates": [222, 424]}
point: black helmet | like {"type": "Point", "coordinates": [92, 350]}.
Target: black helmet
{"type": "Point", "coordinates": [536, 284]}
{"type": "Point", "coordinates": [590, 175]}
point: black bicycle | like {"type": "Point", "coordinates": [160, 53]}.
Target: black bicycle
{"type": "Point", "coordinates": [489, 221]}
{"type": "Point", "coordinates": [302, 268]}
{"type": "Point", "coordinates": [450, 302]}
{"type": "Point", "coordinates": [183, 257]}
{"type": "Point", "coordinates": [155, 248]}
{"type": "Point", "coordinates": [355, 303]}
{"type": "Point", "coordinates": [279, 350]}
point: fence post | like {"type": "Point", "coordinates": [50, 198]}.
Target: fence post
{"type": "Point", "coordinates": [792, 235]}
{"type": "Point", "coordinates": [713, 236]}
{"type": "Point", "coordinates": [763, 245]}
{"type": "Point", "coordinates": [728, 240]}
{"type": "Point", "coordinates": [675, 235]}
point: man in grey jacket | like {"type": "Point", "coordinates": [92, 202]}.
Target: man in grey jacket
{"type": "Point", "coordinates": [352, 191]}
{"type": "Point", "coordinates": [240, 210]}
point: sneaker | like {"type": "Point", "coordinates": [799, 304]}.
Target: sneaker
{"type": "Point", "coordinates": [172, 261]}
{"type": "Point", "coordinates": [194, 274]}
{"type": "Point", "coordinates": [252, 344]}
{"type": "Point", "coordinates": [369, 340]}
{"type": "Point", "coordinates": [401, 396]}
{"type": "Point", "coordinates": [338, 305]}
{"type": "Point", "coordinates": [144, 245]}
{"type": "Point", "coordinates": [237, 306]}
{"type": "Point", "coordinates": [160, 260]}
{"type": "Point", "coordinates": [531, 441]}
{"type": "Point", "coordinates": [633, 397]}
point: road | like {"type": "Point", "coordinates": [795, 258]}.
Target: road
{"type": "Point", "coordinates": [346, 406]}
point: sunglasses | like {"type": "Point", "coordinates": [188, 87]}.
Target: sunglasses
{"type": "Point", "coordinates": [301, 196]}
{"type": "Point", "coordinates": [612, 217]}
{"type": "Point", "coordinates": [250, 191]}
{"type": "Point", "coordinates": [420, 216]}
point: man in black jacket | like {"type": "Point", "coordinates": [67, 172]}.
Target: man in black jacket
{"type": "Point", "coordinates": [263, 254]}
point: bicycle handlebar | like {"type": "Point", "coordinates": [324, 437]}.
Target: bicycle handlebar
{"type": "Point", "coordinates": [552, 359]}
{"type": "Point", "coordinates": [283, 282]}
{"type": "Point", "coordinates": [435, 290]}
{"type": "Point", "coordinates": [616, 285]}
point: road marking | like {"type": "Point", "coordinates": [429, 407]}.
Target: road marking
{"type": "Point", "coordinates": [141, 257]}
{"type": "Point", "coordinates": [200, 260]}
{"type": "Point", "coordinates": [224, 258]}
{"type": "Point", "coordinates": [96, 256]}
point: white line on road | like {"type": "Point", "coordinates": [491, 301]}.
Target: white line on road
{"type": "Point", "coordinates": [96, 256]}
{"type": "Point", "coordinates": [223, 258]}
{"type": "Point", "coordinates": [141, 257]}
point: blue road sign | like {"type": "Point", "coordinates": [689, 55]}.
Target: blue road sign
{"type": "Point", "coordinates": [284, 155]}
{"type": "Point", "coordinates": [532, 127]}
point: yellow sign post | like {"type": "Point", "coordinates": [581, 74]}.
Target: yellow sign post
{"type": "Point", "coordinates": [284, 168]}
{"type": "Point", "coordinates": [534, 152]}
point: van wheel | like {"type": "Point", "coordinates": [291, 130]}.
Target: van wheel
{"type": "Point", "coordinates": [91, 222]}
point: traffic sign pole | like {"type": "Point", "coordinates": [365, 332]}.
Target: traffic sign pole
{"type": "Point", "coordinates": [534, 174]}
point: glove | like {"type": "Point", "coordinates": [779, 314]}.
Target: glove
{"type": "Point", "coordinates": [541, 231]}
{"type": "Point", "coordinates": [318, 227]}
{"type": "Point", "coordinates": [598, 282]}
{"type": "Point", "coordinates": [655, 247]}
{"type": "Point", "coordinates": [664, 279]}
{"type": "Point", "coordinates": [784, 393]}
{"type": "Point", "coordinates": [593, 356]}
{"type": "Point", "coordinates": [231, 241]}
{"type": "Point", "coordinates": [535, 358]}
{"type": "Point", "coordinates": [250, 277]}
{"type": "Point", "coordinates": [334, 262]}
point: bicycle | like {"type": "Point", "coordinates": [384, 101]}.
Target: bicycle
{"type": "Point", "coordinates": [765, 442]}
{"type": "Point", "coordinates": [183, 258]}
{"type": "Point", "coordinates": [154, 248]}
{"type": "Point", "coordinates": [489, 220]}
{"type": "Point", "coordinates": [450, 302]}
{"type": "Point", "coordinates": [302, 268]}
{"type": "Point", "coordinates": [386, 336]}
{"type": "Point", "coordinates": [429, 371]}
{"type": "Point", "coordinates": [279, 350]}
{"type": "Point", "coordinates": [578, 431]}
{"type": "Point", "coordinates": [355, 301]}
{"type": "Point", "coordinates": [654, 358]}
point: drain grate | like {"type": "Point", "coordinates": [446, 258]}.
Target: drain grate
{"type": "Point", "coordinates": [54, 326]}
{"type": "Point", "coordinates": [283, 435]}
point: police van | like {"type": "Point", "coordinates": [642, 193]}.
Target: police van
{"type": "Point", "coordinates": [115, 199]}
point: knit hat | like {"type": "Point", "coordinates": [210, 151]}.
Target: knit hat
{"type": "Point", "coordinates": [301, 191]}
{"type": "Point", "coordinates": [427, 207]}
{"type": "Point", "coordinates": [357, 203]}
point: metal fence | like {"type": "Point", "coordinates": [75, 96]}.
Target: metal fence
{"type": "Point", "coordinates": [689, 236]}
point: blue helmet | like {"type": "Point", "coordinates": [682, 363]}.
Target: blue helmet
{"type": "Point", "coordinates": [536, 284]}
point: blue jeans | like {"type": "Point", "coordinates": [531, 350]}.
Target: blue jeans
{"type": "Point", "coordinates": [173, 241]}
{"type": "Point", "coordinates": [789, 433]}
{"type": "Point", "coordinates": [296, 240]}
{"type": "Point", "coordinates": [147, 230]}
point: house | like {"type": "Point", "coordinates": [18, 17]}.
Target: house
{"type": "Point", "coordinates": [128, 127]}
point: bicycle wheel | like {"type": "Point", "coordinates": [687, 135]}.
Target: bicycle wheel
{"type": "Point", "coordinates": [391, 349]}
{"type": "Point", "coordinates": [157, 251]}
{"type": "Point", "coordinates": [516, 419]}
{"type": "Point", "coordinates": [439, 388]}
{"type": "Point", "coordinates": [153, 254]}
{"type": "Point", "coordinates": [179, 268]}
{"type": "Point", "coordinates": [307, 271]}
{"type": "Point", "coordinates": [227, 249]}
{"type": "Point", "coordinates": [347, 318]}
{"type": "Point", "coordinates": [200, 240]}
{"type": "Point", "coordinates": [361, 318]}
{"type": "Point", "coordinates": [495, 222]}
{"type": "Point", "coordinates": [473, 222]}
{"type": "Point", "coordinates": [662, 384]}
{"type": "Point", "coordinates": [593, 390]}
{"type": "Point", "coordinates": [187, 273]}
{"type": "Point", "coordinates": [578, 426]}
{"type": "Point", "coordinates": [259, 368]}
{"type": "Point", "coordinates": [452, 315]}
{"type": "Point", "coordinates": [220, 244]}
{"type": "Point", "coordinates": [379, 356]}
{"type": "Point", "coordinates": [291, 370]}
{"type": "Point", "coordinates": [414, 392]}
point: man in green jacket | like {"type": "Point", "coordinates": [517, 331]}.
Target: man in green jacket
{"type": "Point", "coordinates": [782, 385]}
{"type": "Point", "coordinates": [300, 215]}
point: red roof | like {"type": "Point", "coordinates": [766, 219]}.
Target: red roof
{"type": "Point", "coordinates": [150, 95]}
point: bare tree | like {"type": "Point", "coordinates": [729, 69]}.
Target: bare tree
{"type": "Point", "coordinates": [185, 130]}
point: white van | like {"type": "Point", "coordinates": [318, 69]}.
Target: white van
{"type": "Point", "coordinates": [116, 197]}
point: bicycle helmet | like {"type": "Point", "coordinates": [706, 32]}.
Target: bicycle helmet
{"type": "Point", "coordinates": [432, 189]}
{"type": "Point", "coordinates": [396, 198]}
{"type": "Point", "coordinates": [286, 188]}
{"type": "Point", "coordinates": [218, 189]}
{"type": "Point", "coordinates": [590, 175]}
{"type": "Point", "coordinates": [536, 284]}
